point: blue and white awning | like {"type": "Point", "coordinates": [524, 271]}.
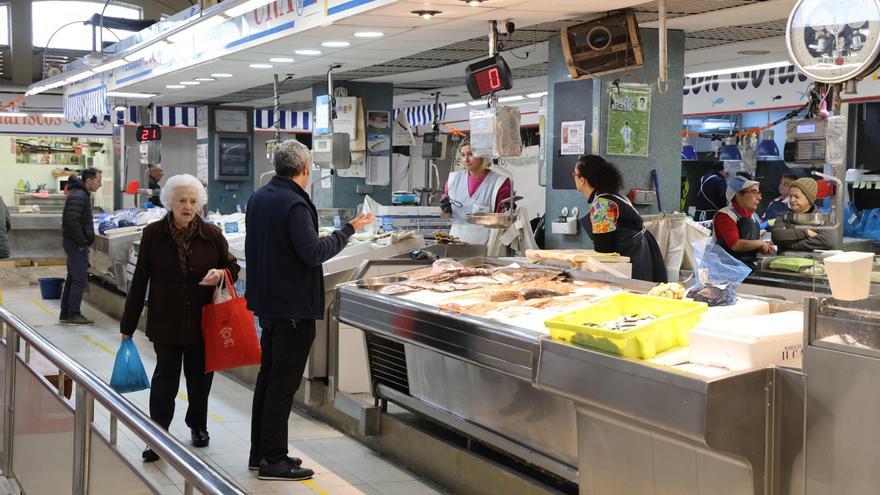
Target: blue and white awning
{"type": "Point", "coordinates": [86, 104]}
{"type": "Point", "coordinates": [422, 114]}
{"type": "Point", "coordinates": [288, 121]}
{"type": "Point", "coordinates": [165, 116]}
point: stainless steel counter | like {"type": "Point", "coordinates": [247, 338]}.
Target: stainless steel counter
{"type": "Point", "coordinates": [613, 425]}
{"type": "Point", "coordinates": [35, 235]}
{"type": "Point", "coordinates": [108, 258]}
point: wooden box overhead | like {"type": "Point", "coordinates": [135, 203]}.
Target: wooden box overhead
{"type": "Point", "coordinates": [602, 46]}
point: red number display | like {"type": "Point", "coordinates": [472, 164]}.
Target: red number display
{"type": "Point", "coordinates": [149, 133]}
{"type": "Point", "coordinates": [494, 79]}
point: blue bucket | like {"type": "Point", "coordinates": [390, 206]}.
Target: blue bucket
{"type": "Point", "coordinates": [50, 287]}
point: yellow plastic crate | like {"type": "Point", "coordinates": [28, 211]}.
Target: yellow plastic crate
{"type": "Point", "coordinates": [672, 328]}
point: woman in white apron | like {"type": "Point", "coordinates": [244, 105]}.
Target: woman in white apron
{"type": "Point", "coordinates": [476, 189]}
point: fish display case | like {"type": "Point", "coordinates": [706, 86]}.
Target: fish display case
{"type": "Point", "coordinates": [842, 366]}
{"type": "Point", "coordinates": [607, 423]}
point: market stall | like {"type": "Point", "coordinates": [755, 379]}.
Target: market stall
{"type": "Point", "coordinates": [584, 415]}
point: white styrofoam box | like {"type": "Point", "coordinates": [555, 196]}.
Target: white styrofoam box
{"type": "Point", "coordinates": [397, 211]}
{"type": "Point", "coordinates": [751, 342]}
{"type": "Point", "coordinates": [742, 309]}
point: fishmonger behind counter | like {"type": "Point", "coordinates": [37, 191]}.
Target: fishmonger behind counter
{"type": "Point", "coordinates": [802, 199]}
{"type": "Point", "coordinates": [737, 228]}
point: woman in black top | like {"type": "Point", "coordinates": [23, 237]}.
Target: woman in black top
{"type": "Point", "coordinates": [613, 223]}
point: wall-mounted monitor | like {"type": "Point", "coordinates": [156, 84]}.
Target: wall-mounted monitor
{"type": "Point", "coordinates": [233, 158]}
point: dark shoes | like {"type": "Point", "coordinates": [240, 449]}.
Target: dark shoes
{"type": "Point", "coordinates": [149, 455]}
{"type": "Point", "coordinates": [75, 319]}
{"type": "Point", "coordinates": [254, 463]}
{"type": "Point", "coordinates": [283, 471]}
{"type": "Point", "coordinates": [200, 437]}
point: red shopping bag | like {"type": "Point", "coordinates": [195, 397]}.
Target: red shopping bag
{"type": "Point", "coordinates": [228, 330]}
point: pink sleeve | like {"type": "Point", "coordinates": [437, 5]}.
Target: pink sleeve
{"type": "Point", "coordinates": [445, 189]}
{"type": "Point", "coordinates": [503, 195]}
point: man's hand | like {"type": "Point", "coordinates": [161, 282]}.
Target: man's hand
{"type": "Point", "coordinates": [213, 277]}
{"type": "Point", "coordinates": [768, 248]}
{"type": "Point", "coordinates": [811, 233]}
{"type": "Point", "coordinates": [126, 337]}
{"type": "Point", "coordinates": [361, 221]}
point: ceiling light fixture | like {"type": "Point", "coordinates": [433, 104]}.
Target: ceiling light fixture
{"type": "Point", "coordinates": [53, 115]}
{"type": "Point", "coordinates": [204, 79]}
{"type": "Point", "coordinates": [426, 14]}
{"type": "Point", "coordinates": [473, 3]}
{"type": "Point", "coordinates": [369, 34]}
{"type": "Point", "coordinates": [537, 95]}
{"type": "Point", "coordinates": [335, 44]}
{"type": "Point", "coordinates": [118, 108]}
{"type": "Point", "coordinates": [35, 91]}
{"type": "Point", "coordinates": [511, 98]}
{"type": "Point", "coordinates": [307, 51]}
{"type": "Point", "coordinates": [476, 103]}
{"type": "Point", "coordinates": [260, 66]}
{"type": "Point", "coordinates": [175, 86]}
{"type": "Point", "coordinates": [124, 94]}
{"type": "Point", "coordinates": [747, 68]}
{"type": "Point", "coordinates": [221, 75]}
{"type": "Point", "coordinates": [190, 83]}
{"type": "Point", "coordinates": [13, 114]}
{"type": "Point", "coordinates": [282, 60]}
{"type": "Point", "coordinates": [455, 105]}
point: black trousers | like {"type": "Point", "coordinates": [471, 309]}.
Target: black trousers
{"type": "Point", "coordinates": [286, 345]}
{"type": "Point", "coordinates": [166, 382]}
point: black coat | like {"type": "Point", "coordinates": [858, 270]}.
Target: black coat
{"type": "Point", "coordinates": [174, 312]}
{"type": "Point", "coordinates": [154, 186]}
{"type": "Point", "coordinates": [76, 220]}
{"type": "Point", "coordinates": [285, 279]}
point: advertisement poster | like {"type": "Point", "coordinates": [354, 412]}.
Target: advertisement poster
{"type": "Point", "coordinates": [573, 137]}
{"type": "Point", "coordinates": [629, 120]}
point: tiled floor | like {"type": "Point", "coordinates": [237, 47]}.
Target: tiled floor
{"type": "Point", "coordinates": [342, 465]}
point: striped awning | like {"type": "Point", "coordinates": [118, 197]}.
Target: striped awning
{"type": "Point", "coordinates": [165, 116]}
{"type": "Point", "coordinates": [422, 114]}
{"type": "Point", "coordinates": [288, 121]}
{"type": "Point", "coordinates": [86, 104]}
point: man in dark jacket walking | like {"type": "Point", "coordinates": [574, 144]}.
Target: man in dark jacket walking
{"type": "Point", "coordinates": [78, 233]}
{"type": "Point", "coordinates": [285, 289]}
{"type": "Point", "coordinates": [155, 175]}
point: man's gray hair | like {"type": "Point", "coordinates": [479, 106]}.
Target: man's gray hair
{"type": "Point", "coordinates": [175, 184]}
{"type": "Point", "coordinates": [291, 158]}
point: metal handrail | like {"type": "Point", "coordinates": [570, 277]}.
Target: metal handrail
{"type": "Point", "coordinates": [90, 387]}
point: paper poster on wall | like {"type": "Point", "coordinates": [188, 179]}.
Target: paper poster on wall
{"type": "Point", "coordinates": [357, 168]}
{"type": "Point", "coordinates": [378, 170]}
{"type": "Point", "coordinates": [202, 162]}
{"type": "Point", "coordinates": [403, 134]}
{"type": "Point", "coordinates": [629, 120]}
{"type": "Point", "coordinates": [326, 178]}
{"type": "Point", "coordinates": [573, 137]}
{"type": "Point", "coordinates": [378, 120]}
{"type": "Point", "coordinates": [322, 115]}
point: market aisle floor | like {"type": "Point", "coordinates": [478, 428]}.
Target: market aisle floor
{"type": "Point", "coordinates": [342, 465]}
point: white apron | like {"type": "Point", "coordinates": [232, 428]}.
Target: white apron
{"type": "Point", "coordinates": [483, 201]}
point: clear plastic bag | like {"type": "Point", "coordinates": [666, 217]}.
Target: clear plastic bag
{"type": "Point", "coordinates": [129, 374]}
{"type": "Point", "coordinates": [717, 274]}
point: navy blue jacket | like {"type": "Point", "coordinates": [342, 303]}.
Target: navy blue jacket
{"type": "Point", "coordinates": [285, 279]}
{"type": "Point", "coordinates": [76, 219]}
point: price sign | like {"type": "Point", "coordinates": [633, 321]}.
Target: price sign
{"type": "Point", "coordinates": [488, 76]}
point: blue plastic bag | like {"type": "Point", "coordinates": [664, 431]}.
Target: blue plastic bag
{"type": "Point", "coordinates": [714, 265]}
{"type": "Point", "coordinates": [870, 224]}
{"type": "Point", "coordinates": [129, 374]}
{"type": "Point", "coordinates": [852, 221]}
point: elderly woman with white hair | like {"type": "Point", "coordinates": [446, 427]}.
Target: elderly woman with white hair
{"type": "Point", "coordinates": [182, 258]}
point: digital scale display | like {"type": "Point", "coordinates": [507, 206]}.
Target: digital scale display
{"type": "Point", "coordinates": [152, 132]}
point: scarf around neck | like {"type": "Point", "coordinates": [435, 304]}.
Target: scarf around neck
{"type": "Point", "coordinates": [182, 238]}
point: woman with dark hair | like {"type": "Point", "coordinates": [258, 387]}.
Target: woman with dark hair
{"type": "Point", "coordinates": [614, 224]}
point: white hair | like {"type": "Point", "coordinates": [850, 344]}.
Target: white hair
{"type": "Point", "coordinates": [178, 182]}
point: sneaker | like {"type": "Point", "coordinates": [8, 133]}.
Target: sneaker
{"type": "Point", "coordinates": [149, 455]}
{"type": "Point", "coordinates": [62, 317]}
{"type": "Point", "coordinates": [78, 319]}
{"type": "Point", "coordinates": [283, 471]}
{"type": "Point", "coordinates": [254, 464]}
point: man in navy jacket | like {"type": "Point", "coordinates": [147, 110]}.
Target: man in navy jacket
{"type": "Point", "coordinates": [285, 289]}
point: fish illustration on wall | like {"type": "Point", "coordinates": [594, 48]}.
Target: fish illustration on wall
{"type": "Point", "coordinates": [750, 103]}
{"type": "Point", "coordinates": [717, 101]}
{"type": "Point", "coordinates": [776, 98]}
